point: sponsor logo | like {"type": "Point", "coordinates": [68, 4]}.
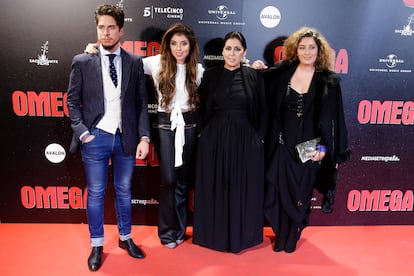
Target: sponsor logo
{"type": "Point", "coordinates": [314, 204]}
{"type": "Point", "coordinates": [152, 108]}
{"type": "Point", "coordinates": [213, 57]}
{"type": "Point", "coordinates": [407, 29]}
{"type": "Point", "coordinates": [223, 15]}
{"type": "Point", "coordinates": [380, 201]}
{"type": "Point", "coordinates": [55, 153]}
{"type": "Point", "coordinates": [168, 12]}
{"type": "Point", "coordinates": [393, 158]}
{"type": "Point", "coordinates": [121, 4]}
{"type": "Point", "coordinates": [42, 58]}
{"type": "Point", "coordinates": [391, 63]}
{"type": "Point", "coordinates": [222, 12]}
{"type": "Point", "coordinates": [144, 201]}
{"type": "Point", "coordinates": [270, 17]}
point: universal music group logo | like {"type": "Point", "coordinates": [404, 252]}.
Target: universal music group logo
{"type": "Point", "coordinates": [42, 58]}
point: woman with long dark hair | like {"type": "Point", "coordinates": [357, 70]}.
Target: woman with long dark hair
{"type": "Point", "coordinates": [176, 74]}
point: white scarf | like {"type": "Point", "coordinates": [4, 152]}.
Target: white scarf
{"type": "Point", "coordinates": [177, 122]}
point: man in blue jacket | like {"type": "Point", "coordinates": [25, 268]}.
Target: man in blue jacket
{"type": "Point", "coordinates": [107, 102]}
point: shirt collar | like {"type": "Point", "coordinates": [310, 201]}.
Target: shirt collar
{"type": "Point", "coordinates": [106, 52]}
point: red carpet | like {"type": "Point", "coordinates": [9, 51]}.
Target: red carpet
{"type": "Point", "coordinates": [63, 249]}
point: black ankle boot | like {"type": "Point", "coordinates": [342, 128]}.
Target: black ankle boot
{"type": "Point", "coordinates": [328, 200]}
{"type": "Point", "coordinates": [279, 244]}
{"type": "Point", "coordinates": [292, 239]}
{"type": "Point", "coordinates": [291, 246]}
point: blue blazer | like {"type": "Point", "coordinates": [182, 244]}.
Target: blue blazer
{"type": "Point", "coordinates": [85, 99]}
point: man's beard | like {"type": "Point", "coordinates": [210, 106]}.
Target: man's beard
{"type": "Point", "coordinates": [110, 47]}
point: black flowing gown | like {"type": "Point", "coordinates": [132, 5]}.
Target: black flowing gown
{"type": "Point", "coordinates": [292, 181]}
{"type": "Point", "coordinates": [229, 189]}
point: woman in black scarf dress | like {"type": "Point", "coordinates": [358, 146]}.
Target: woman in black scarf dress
{"type": "Point", "coordinates": [229, 190]}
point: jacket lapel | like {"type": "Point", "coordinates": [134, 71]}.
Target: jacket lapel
{"type": "Point", "coordinates": [126, 71]}
{"type": "Point", "coordinates": [97, 76]}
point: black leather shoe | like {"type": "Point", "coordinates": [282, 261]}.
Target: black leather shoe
{"type": "Point", "coordinates": [133, 250]}
{"type": "Point", "coordinates": [95, 258]}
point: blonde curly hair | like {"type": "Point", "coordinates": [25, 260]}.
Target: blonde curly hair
{"type": "Point", "coordinates": [290, 47]}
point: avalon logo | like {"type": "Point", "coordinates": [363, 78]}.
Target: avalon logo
{"type": "Point", "coordinates": [270, 17]}
{"type": "Point", "coordinates": [55, 153]}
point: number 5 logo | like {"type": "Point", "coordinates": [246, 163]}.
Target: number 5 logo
{"type": "Point", "coordinates": [147, 11]}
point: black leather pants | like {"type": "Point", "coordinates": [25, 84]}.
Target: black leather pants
{"type": "Point", "coordinates": [175, 181]}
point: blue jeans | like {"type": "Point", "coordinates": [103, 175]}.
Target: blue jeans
{"type": "Point", "coordinates": [96, 155]}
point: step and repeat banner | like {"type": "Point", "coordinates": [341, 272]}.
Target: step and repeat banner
{"type": "Point", "coordinates": [373, 45]}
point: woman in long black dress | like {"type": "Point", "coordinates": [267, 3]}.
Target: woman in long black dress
{"type": "Point", "coordinates": [229, 190]}
{"type": "Point", "coordinates": [306, 100]}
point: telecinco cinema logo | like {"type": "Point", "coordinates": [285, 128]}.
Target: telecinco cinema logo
{"type": "Point", "coordinates": [169, 12]}
{"type": "Point", "coordinates": [42, 58]}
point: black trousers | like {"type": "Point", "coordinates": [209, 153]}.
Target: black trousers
{"type": "Point", "coordinates": [175, 181]}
